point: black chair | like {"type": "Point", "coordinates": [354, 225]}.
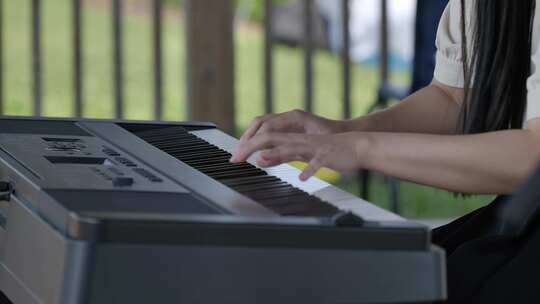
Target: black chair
{"type": "Point", "coordinates": [428, 14]}
{"type": "Point", "coordinates": [492, 252]}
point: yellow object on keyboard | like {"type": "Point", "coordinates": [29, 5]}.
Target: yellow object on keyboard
{"type": "Point", "coordinates": [327, 175]}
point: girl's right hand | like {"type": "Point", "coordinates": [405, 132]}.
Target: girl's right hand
{"type": "Point", "coordinates": [296, 121]}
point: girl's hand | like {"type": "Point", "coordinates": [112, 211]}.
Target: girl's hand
{"type": "Point", "coordinates": [296, 121]}
{"type": "Point", "coordinates": [344, 152]}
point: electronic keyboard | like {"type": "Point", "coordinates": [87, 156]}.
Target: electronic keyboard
{"type": "Point", "coordinates": [96, 211]}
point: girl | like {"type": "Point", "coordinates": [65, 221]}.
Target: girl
{"type": "Point", "coordinates": [474, 130]}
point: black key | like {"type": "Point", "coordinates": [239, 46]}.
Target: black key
{"type": "Point", "coordinates": [262, 187]}
{"type": "Point", "coordinates": [184, 143]}
{"type": "Point", "coordinates": [224, 168]}
{"type": "Point", "coordinates": [194, 156]}
{"type": "Point", "coordinates": [237, 174]}
{"type": "Point", "coordinates": [249, 180]}
{"type": "Point", "coordinates": [181, 143]}
{"type": "Point", "coordinates": [212, 161]}
{"type": "Point", "coordinates": [172, 139]}
{"type": "Point", "coordinates": [226, 164]}
{"type": "Point", "coordinates": [208, 152]}
{"type": "Point", "coordinates": [190, 149]}
{"type": "Point", "coordinates": [171, 135]}
{"type": "Point", "coordinates": [175, 139]}
{"type": "Point", "coordinates": [163, 133]}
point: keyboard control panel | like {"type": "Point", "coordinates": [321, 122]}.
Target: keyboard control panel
{"type": "Point", "coordinates": [83, 162]}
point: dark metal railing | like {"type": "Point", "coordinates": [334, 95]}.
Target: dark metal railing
{"type": "Point", "coordinates": [308, 48]}
{"type": "Point", "coordinates": [118, 55]}
{"type": "Point", "coordinates": [78, 65]}
{"type": "Point", "coordinates": [384, 49]}
{"type": "Point", "coordinates": [37, 56]}
{"type": "Point", "coordinates": [268, 62]}
{"type": "Point", "coordinates": [77, 58]}
{"type": "Point", "coordinates": [157, 10]}
{"type": "Point", "coordinates": [1, 56]}
{"type": "Point", "coordinates": [308, 54]}
{"type": "Point", "coordinates": [346, 58]}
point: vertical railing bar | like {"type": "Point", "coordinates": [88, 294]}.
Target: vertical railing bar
{"type": "Point", "coordinates": [36, 56]}
{"type": "Point", "coordinates": [384, 41]}
{"type": "Point", "coordinates": [346, 58]}
{"type": "Point", "coordinates": [2, 57]}
{"type": "Point", "coordinates": [268, 59]}
{"type": "Point", "coordinates": [188, 8]}
{"type": "Point", "coordinates": [158, 59]}
{"type": "Point", "coordinates": [308, 55]}
{"type": "Point", "coordinates": [118, 58]}
{"type": "Point", "coordinates": [77, 58]}
{"type": "Point", "coordinates": [394, 184]}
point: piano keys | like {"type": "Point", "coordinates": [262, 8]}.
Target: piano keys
{"type": "Point", "coordinates": [133, 212]}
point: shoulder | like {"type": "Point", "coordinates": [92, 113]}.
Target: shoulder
{"type": "Point", "coordinates": [451, 20]}
{"type": "Point", "coordinates": [449, 63]}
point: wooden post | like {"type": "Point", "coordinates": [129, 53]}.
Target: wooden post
{"type": "Point", "coordinates": [210, 62]}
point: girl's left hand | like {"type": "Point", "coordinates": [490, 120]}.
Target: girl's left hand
{"type": "Point", "coordinates": [344, 152]}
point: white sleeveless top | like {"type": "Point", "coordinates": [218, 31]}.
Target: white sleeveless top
{"type": "Point", "coordinates": [449, 69]}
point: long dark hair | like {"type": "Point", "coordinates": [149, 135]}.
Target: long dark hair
{"type": "Point", "coordinates": [497, 67]}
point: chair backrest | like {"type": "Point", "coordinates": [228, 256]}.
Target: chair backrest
{"type": "Point", "coordinates": [522, 210]}
{"type": "Point", "coordinates": [428, 14]}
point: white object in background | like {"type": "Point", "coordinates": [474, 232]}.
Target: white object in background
{"type": "Point", "coordinates": [365, 27]}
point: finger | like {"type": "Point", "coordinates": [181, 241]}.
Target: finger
{"type": "Point", "coordinates": [265, 163]}
{"type": "Point", "coordinates": [312, 168]}
{"type": "Point", "coordinates": [257, 143]}
{"type": "Point", "coordinates": [287, 122]}
{"type": "Point", "coordinates": [254, 127]}
{"type": "Point", "coordinates": [250, 132]}
{"type": "Point", "coordinates": [284, 154]}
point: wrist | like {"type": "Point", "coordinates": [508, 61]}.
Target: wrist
{"type": "Point", "coordinates": [339, 126]}
{"type": "Point", "coordinates": [345, 126]}
{"type": "Point", "coordinates": [362, 124]}
{"type": "Point", "coordinates": [331, 126]}
{"type": "Point", "coordinates": [364, 146]}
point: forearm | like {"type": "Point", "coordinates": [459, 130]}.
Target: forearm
{"type": "Point", "coordinates": [489, 163]}
{"type": "Point", "coordinates": [432, 110]}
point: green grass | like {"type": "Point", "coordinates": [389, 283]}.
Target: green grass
{"type": "Point", "coordinates": [98, 90]}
